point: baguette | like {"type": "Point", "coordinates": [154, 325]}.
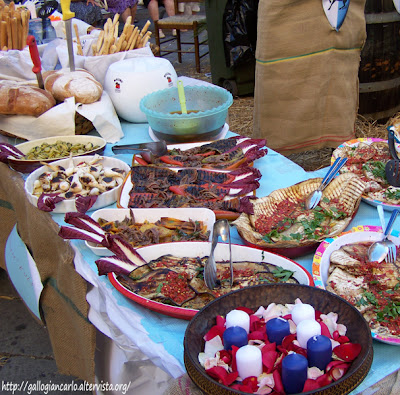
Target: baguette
{"type": "Point", "coordinates": [19, 99]}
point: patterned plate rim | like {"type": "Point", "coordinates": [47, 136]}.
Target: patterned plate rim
{"type": "Point", "coordinates": [316, 272]}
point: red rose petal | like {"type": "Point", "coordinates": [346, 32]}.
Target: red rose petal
{"type": "Point", "coordinates": [245, 388]}
{"type": "Point", "coordinates": [257, 335]}
{"type": "Point", "coordinates": [310, 385]}
{"type": "Point", "coordinates": [287, 316]}
{"type": "Point", "coordinates": [258, 326]}
{"type": "Point", "coordinates": [325, 330]}
{"type": "Point", "coordinates": [220, 321]}
{"type": "Point", "coordinates": [335, 335]}
{"type": "Point", "coordinates": [268, 347]}
{"type": "Point", "coordinates": [343, 339]}
{"type": "Point", "coordinates": [278, 382]}
{"type": "Point", "coordinates": [254, 320]}
{"type": "Point", "coordinates": [339, 371]}
{"type": "Point", "coordinates": [252, 382]}
{"type": "Point", "coordinates": [347, 352]}
{"type": "Point", "coordinates": [225, 356]}
{"type": "Point", "coordinates": [324, 380]}
{"type": "Point", "coordinates": [268, 360]}
{"type": "Point", "coordinates": [318, 315]}
{"type": "Point", "coordinates": [246, 310]}
{"type": "Point", "coordinates": [223, 377]}
{"type": "Point", "coordinates": [234, 351]}
{"type": "Point", "coordinates": [213, 332]}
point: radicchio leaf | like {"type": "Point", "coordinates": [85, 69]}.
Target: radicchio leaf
{"type": "Point", "coordinates": [84, 203]}
{"type": "Point", "coordinates": [7, 150]}
{"type": "Point", "coordinates": [47, 201]}
{"type": "Point", "coordinates": [83, 221]}
{"type": "Point", "coordinates": [246, 206]}
{"type": "Point", "coordinates": [113, 264]}
{"type": "Point", "coordinates": [123, 249]}
{"type": "Point", "coordinates": [70, 232]}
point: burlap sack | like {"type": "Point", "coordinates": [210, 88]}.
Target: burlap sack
{"type": "Point", "coordinates": [63, 300]}
{"type": "Point", "coordinates": [306, 81]}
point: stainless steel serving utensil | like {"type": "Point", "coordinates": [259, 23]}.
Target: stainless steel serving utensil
{"type": "Point", "coordinates": [221, 228]}
{"type": "Point", "coordinates": [158, 148]}
{"type": "Point", "coordinates": [384, 249]}
{"type": "Point", "coordinates": [314, 198]}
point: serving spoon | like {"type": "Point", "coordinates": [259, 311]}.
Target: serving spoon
{"type": "Point", "coordinates": [221, 228]}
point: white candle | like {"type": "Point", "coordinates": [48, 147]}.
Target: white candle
{"type": "Point", "coordinates": [238, 318]}
{"type": "Point", "coordinates": [249, 361]}
{"type": "Point", "coordinates": [302, 311]}
{"type": "Point", "coordinates": [307, 329]}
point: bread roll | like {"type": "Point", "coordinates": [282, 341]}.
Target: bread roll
{"type": "Point", "coordinates": [19, 99]}
{"type": "Point", "coordinates": [79, 84]}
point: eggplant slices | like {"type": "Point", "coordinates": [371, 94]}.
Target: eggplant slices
{"type": "Point", "coordinates": [372, 287]}
{"type": "Point", "coordinates": [179, 281]}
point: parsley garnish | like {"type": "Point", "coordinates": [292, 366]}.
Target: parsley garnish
{"type": "Point", "coordinates": [283, 274]}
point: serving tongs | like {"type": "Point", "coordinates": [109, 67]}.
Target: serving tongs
{"type": "Point", "coordinates": [392, 168]}
{"type": "Point", "coordinates": [221, 228]}
{"type": "Point", "coordinates": [148, 150]}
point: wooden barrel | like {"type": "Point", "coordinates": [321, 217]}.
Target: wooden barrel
{"type": "Point", "coordinates": [379, 72]}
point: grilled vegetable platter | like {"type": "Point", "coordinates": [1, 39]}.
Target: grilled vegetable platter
{"type": "Point", "coordinates": [367, 157]}
{"type": "Point", "coordinates": [281, 223]}
{"type": "Point", "coordinates": [142, 226]}
{"type": "Point", "coordinates": [341, 265]}
{"type": "Point", "coordinates": [168, 278]}
{"type": "Point", "coordinates": [213, 175]}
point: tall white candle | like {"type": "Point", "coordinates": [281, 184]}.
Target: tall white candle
{"type": "Point", "coordinates": [238, 318]}
{"type": "Point", "coordinates": [249, 361]}
{"type": "Point", "coordinates": [307, 329]}
{"type": "Point", "coordinates": [301, 312]}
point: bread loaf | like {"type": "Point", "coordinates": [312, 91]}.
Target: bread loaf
{"type": "Point", "coordinates": [19, 99]}
{"type": "Point", "coordinates": [79, 84]}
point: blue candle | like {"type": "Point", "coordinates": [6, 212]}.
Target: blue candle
{"type": "Point", "coordinates": [319, 351]}
{"type": "Point", "coordinates": [294, 373]}
{"type": "Point", "coordinates": [235, 336]}
{"type": "Point", "coordinates": [277, 329]}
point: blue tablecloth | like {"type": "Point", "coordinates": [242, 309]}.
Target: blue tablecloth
{"type": "Point", "coordinates": [160, 337]}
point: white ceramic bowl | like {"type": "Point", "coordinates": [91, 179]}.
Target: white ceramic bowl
{"type": "Point", "coordinates": [26, 166]}
{"type": "Point", "coordinates": [65, 206]}
{"type": "Point", "coordinates": [151, 215]}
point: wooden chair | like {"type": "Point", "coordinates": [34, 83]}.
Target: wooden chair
{"type": "Point", "coordinates": [196, 23]}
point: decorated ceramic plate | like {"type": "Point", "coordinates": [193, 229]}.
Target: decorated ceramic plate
{"type": "Point", "coordinates": [199, 250]}
{"type": "Point", "coordinates": [322, 268]}
{"type": "Point", "coordinates": [369, 163]}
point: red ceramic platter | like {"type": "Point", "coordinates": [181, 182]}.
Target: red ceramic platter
{"type": "Point", "coordinates": [201, 249]}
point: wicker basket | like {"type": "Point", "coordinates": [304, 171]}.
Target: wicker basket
{"type": "Point", "coordinates": [82, 126]}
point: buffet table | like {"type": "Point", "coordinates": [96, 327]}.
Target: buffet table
{"type": "Point", "coordinates": [145, 348]}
